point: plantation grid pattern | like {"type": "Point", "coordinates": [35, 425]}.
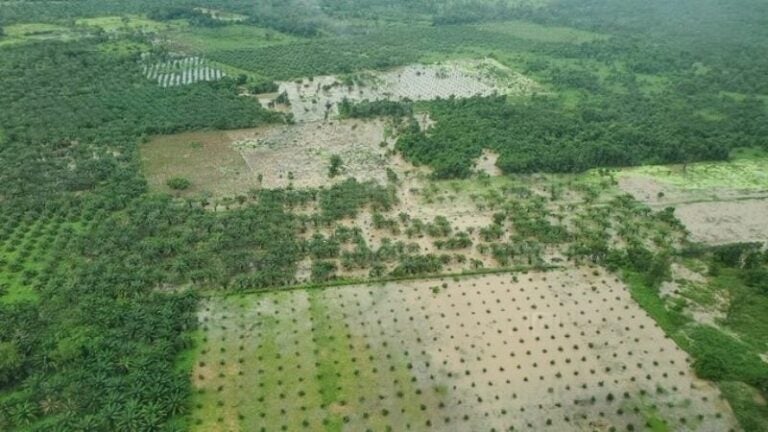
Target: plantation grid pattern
{"type": "Point", "coordinates": [559, 350]}
{"type": "Point", "coordinates": [183, 71]}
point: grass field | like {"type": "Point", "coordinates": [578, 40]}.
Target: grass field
{"type": "Point", "coordinates": [30, 32]}
{"type": "Point", "coordinates": [205, 40]}
{"type": "Point", "coordinates": [127, 23]}
{"type": "Point", "coordinates": [206, 159]}
{"type": "Point", "coordinates": [747, 171]}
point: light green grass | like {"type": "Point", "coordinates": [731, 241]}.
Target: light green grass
{"type": "Point", "coordinates": [285, 361]}
{"type": "Point", "coordinates": [112, 24]}
{"type": "Point", "coordinates": [16, 292]}
{"type": "Point", "coordinates": [123, 47]}
{"type": "Point", "coordinates": [742, 96]}
{"type": "Point", "coordinates": [30, 32]}
{"type": "Point", "coordinates": [205, 40]}
{"type": "Point", "coordinates": [541, 33]}
{"type": "Point", "coordinates": [747, 171]}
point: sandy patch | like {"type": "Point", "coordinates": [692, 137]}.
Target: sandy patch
{"type": "Point", "coordinates": [726, 221]}
{"type": "Point", "coordinates": [486, 163]}
{"type": "Point", "coordinates": [300, 154]}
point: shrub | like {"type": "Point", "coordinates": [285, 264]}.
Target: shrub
{"type": "Point", "coordinates": [178, 183]}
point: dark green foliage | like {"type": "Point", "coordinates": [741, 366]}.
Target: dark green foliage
{"type": "Point", "coordinates": [263, 87]}
{"type": "Point", "coordinates": [737, 254]}
{"type": "Point", "coordinates": [334, 167]}
{"type": "Point", "coordinates": [757, 278]}
{"type": "Point", "coordinates": [178, 183]}
{"type": "Point", "coordinates": [411, 265]}
{"type": "Point", "coordinates": [378, 49]}
{"type": "Point", "coordinates": [323, 271]}
{"type": "Point", "coordinates": [721, 357]}
{"type": "Point", "coordinates": [84, 108]}
{"type": "Point", "coordinates": [539, 135]}
{"type": "Point", "coordinates": [368, 109]}
{"type": "Point", "coordinates": [323, 248]}
{"type": "Point", "coordinates": [345, 199]}
{"type": "Point", "coordinates": [71, 119]}
{"type": "Point", "coordinates": [11, 361]}
{"type": "Point", "coordinates": [460, 241]}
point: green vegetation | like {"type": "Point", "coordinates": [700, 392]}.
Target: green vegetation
{"type": "Point", "coordinates": [178, 183]}
{"type": "Point", "coordinates": [746, 171]}
{"type": "Point", "coordinates": [99, 275]}
{"type": "Point", "coordinates": [335, 165]}
{"type": "Point", "coordinates": [731, 353]}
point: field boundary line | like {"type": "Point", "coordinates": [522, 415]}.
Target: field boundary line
{"type": "Point", "coordinates": [380, 281]}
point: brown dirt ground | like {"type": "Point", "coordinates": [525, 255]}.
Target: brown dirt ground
{"type": "Point", "coordinates": [714, 216]}
{"type": "Point", "coordinates": [305, 150]}
{"type": "Point", "coordinates": [722, 222]}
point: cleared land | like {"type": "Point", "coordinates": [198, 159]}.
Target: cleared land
{"type": "Point", "coordinates": [300, 154]}
{"type": "Point", "coordinates": [206, 159]}
{"type": "Point", "coordinates": [316, 98]}
{"type": "Point", "coordinates": [722, 222]}
{"type": "Point", "coordinates": [559, 350]}
{"type": "Point", "coordinates": [719, 202]}
{"type": "Point", "coordinates": [225, 164]}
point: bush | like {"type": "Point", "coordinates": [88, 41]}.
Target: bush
{"type": "Point", "coordinates": [721, 357]}
{"type": "Point", "coordinates": [178, 183]}
{"type": "Point", "coordinates": [334, 168]}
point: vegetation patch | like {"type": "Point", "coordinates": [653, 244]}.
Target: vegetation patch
{"type": "Point", "coordinates": [36, 32]}
{"type": "Point", "coordinates": [124, 23]}
{"type": "Point", "coordinates": [206, 160]}
{"type": "Point", "coordinates": [537, 32]}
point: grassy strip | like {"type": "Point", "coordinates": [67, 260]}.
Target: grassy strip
{"type": "Point", "coordinates": [743, 399]}
{"type": "Point", "coordinates": [383, 280]}
{"type": "Point", "coordinates": [718, 356]}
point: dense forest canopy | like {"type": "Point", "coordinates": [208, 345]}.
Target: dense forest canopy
{"type": "Point", "coordinates": [105, 264]}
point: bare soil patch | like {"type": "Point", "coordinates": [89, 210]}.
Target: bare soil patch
{"type": "Point", "coordinates": [486, 163]}
{"type": "Point", "coordinates": [316, 98]}
{"type": "Point", "coordinates": [300, 154]}
{"type": "Point", "coordinates": [726, 221]}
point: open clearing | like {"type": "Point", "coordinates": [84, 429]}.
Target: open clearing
{"type": "Point", "coordinates": [560, 350]}
{"type": "Point", "coordinates": [316, 98]}
{"type": "Point", "coordinates": [225, 164]}
{"type": "Point", "coordinates": [232, 162]}
{"type": "Point", "coordinates": [719, 202]}
{"type": "Point", "coordinates": [300, 154]}
{"type": "Point", "coordinates": [206, 159]}
{"type": "Point", "coordinates": [35, 32]}
{"type": "Point", "coordinates": [726, 221]}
